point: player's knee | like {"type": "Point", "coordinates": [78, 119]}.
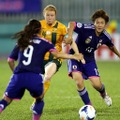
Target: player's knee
{"type": "Point", "coordinates": [47, 77]}
{"type": "Point", "coordinates": [38, 107]}
{"type": "Point", "coordinates": [77, 77]}
{"type": "Point", "coordinates": [99, 87]}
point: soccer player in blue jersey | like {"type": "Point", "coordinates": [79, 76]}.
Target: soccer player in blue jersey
{"type": "Point", "coordinates": [29, 51]}
{"type": "Point", "coordinates": [90, 38]}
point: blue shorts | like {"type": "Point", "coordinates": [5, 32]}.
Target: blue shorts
{"type": "Point", "coordinates": [22, 81]}
{"type": "Point", "coordinates": [87, 70]}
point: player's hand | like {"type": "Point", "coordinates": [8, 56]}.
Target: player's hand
{"type": "Point", "coordinates": [79, 57]}
{"type": "Point", "coordinates": [83, 61]}
{"type": "Point", "coordinates": [68, 40]}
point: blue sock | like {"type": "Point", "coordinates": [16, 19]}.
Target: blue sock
{"type": "Point", "coordinates": [3, 104]}
{"type": "Point", "coordinates": [102, 91]}
{"type": "Point", "coordinates": [84, 96]}
{"type": "Point", "coordinates": [38, 107]}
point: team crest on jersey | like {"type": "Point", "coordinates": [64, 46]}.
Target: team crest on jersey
{"type": "Point", "coordinates": [48, 32]}
{"type": "Point", "coordinates": [88, 40]}
{"type": "Point", "coordinates": [79, 25]}
{"type": "Point", "coordinates": [74, 67]}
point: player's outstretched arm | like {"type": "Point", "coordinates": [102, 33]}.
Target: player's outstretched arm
{"type": "Point", "coordinates": [11, 64]}
{"type": "Point", "coordinates": [67, 56]}
{"type": "Point", "coordinates": [68, 38]}
{"type": "Point", "coordinates": [114, 49]}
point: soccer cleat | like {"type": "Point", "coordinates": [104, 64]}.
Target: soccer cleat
{"type": "Point", "coordinates": [107, 99]}
{"type": "Point", "coordinates": [1, 107]}
{"type": "Point", "coordinates": [32, 106]}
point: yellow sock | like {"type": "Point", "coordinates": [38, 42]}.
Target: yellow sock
{"type": "Point", "coordinates": [46, 86]}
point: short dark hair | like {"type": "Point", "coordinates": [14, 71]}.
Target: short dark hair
{"type": "Point", "coordinates": [100, 13]}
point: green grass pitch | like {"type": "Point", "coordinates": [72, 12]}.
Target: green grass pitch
{"type": "Point", "coordinates": [62, 101]}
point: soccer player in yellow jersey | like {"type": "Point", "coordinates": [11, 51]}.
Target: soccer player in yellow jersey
{"type": "Point", "coordinates": [55, 32]}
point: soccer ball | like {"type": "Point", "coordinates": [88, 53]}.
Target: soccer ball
{"type": "Point", "coordinates": [87, 112]}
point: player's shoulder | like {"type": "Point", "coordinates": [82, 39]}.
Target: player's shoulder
{"type": "Point", "coordinates": [107, 35]}
{"type": "Point", "coordinates": [43, 22]}
{"type": "Point", "coordinates": [45, 41]}
{"type": "Point", "coordinates": [60, 24]}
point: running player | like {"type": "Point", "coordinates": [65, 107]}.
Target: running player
{"type": "Point", "coordinates": [54, 31]}
{"type": "Point", "coordinates": [90, 38]}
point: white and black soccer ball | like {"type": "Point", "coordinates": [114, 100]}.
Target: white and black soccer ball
{"type": "Point", "coordinates": [87, 112]}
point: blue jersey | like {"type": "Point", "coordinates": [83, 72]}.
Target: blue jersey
{"type": "Point", "coordinates": [88, 42]}
{"type": "Point", "coordinates": [31, 59]}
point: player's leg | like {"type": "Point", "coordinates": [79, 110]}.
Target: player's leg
{"type": "Point", "coordinates": [99, 86]}
{"type": "Point", "coordinates": [38, 109]}
{"type": "Point", "coordinates": [36, 91]}
{"type": "Point", "coordinates": [74, 69]}
{"type": "Point", "coordinates": [13, 91]}
{"type": "Point", "coordinates": [81, 88]}
{"type": "Point", "coordinates": [4, 103]}
{"type": "Point", "coordinates": [50, 70]}
{"type": "Point", "coordinates": [92, 72]}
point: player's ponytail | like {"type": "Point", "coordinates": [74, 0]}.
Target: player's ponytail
{"type": "Point", "coordinates": [30, 30]}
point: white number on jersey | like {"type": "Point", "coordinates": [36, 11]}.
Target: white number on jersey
{"type": "Point", "coordinates": [28, 54]}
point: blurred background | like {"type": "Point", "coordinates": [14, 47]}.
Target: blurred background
{"type": "Point", "coordinates": [14, 14]}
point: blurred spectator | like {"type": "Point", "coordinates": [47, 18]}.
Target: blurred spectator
{"type": "Point", "coordinates": [112, 27]}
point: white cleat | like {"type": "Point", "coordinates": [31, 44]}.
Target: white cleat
{"type": "Point", "coordinates": [31, 107]}
{"type": "Point", "coordinates": [107, 100]}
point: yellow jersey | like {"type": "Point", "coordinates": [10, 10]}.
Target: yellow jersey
{"type": "Point", "coordinates": [55, 34]}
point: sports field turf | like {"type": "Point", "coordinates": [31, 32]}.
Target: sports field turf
{"type": "Point", "coordinates": [62, 101]}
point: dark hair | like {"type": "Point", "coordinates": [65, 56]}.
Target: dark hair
{"type": "Point", "coordinates": [31, 29]}
{"type": "Point", "coordinates": [100, 13]}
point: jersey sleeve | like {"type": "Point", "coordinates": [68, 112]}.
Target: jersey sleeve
{"type": "Point", "coordinates": [14, 53]}
{"type": "Point", "coordinates": [109, 43]}
{"type": "Point", "coordinates": [49, 46]}
{"type": "Point", "coordinates": [78, 27]}
{"type": "Point", "coordinates": [108, 39]}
